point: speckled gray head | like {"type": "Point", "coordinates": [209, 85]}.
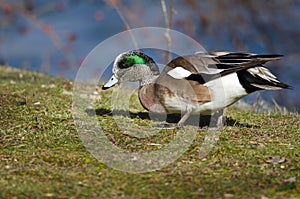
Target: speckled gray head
{"type": "Point", "coordinates": [131, 67]}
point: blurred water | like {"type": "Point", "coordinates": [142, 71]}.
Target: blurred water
{"type": "Point", "coordinates": [78, 26]}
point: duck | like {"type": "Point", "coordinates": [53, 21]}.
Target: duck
{"type": "Point", "coordinates": [201, 83]}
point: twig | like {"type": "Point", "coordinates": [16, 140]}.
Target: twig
{"type": "Point", "coordinates": [168, 21]}
{"type": "Point", "coordinates": [126, 24]}
{"type": "Point", "coordinates": [50, 32]}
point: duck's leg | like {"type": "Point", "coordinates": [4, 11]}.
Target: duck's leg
{"type": "Point", "coordinates": [179, 125]}
{"type": "Point", "coordinates": [221, 118]}
{"type": "Point", "coordinates": [184, 118]}
{"type": "Point", "coordinates": [218, 119]}
{"type": "Point", "coordinates": [165, 126]}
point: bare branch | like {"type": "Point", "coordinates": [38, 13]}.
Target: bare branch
{"type": "Point", "coordinates": [168, 21]}
{"type": "Point", "coordinates": [50, 32]}
{"type": "Point", "coordinates": [115, 5]}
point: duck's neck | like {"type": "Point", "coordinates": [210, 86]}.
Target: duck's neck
{"type": "Point", "coordinates": [147, 94]}
{"type": "Point", "coordinates": [147, 76]}
{"type": "Point", "coordinates": [150, 79]}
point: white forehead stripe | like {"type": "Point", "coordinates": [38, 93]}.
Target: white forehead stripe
{"type": "Point", "coordinates": [179, 73]}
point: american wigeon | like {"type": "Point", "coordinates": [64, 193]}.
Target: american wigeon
{"type": "Point", "coordinates": [201, 83]}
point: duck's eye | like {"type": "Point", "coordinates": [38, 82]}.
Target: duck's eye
{"type": "Point", "coordinates": [125, 65]}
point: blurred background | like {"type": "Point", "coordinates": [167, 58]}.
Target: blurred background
{"type": "Point", "coordinates": [54, 36]}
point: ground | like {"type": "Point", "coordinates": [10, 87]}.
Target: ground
{"type": "Point", "coordinates": [42, 155]}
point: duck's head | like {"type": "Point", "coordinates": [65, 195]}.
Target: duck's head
{"type": "Point", "coordinates": [131, 67]}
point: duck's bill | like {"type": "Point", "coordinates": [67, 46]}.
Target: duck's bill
{"type": "Point", "coordinates": [111, 82]}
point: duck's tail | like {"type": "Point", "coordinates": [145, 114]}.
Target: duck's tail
{"type": "Point", "coordinates": [249, 67]}
{"type": "Point", "coordinates": [260, 78]}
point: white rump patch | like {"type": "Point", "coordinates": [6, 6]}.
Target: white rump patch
{"type": "Point", "coordinates": [179, 73]}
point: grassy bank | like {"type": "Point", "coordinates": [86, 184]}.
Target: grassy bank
{"type": "Point", "coordinates": [42, 156]}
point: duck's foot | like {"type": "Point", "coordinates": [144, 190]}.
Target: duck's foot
{"type": "Point", "coordinates": [165, 126]}
{"type": "Point", "coordinates": [217, 120]}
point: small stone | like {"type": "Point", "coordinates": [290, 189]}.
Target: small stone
{"type": "Point", "coordinates": [37, 103]}
{"type": "Point", "coordinates": [49, 195]}
{"type": "Point", "coordinates": [65, 92]}
{"type": "Point", "coordinates": [90, 107]}
{"type": "Point", "coordinates": [200, 189]}
{"type": "Point", "coordinates": [276, 160]}
{"type": "Point", "coordinates": [228, 195]}
{"type": "Point", "coordinates": [52, 86]}
{"type": "Point", "coordinates": [12, 82]}
{"type": "Point", "coordinates": [153, 144]}
{"type": "Point", "coordinates": [134, 158]}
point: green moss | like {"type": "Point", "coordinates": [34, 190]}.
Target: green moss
{"type": "Point", "coordinates": [40, 146]}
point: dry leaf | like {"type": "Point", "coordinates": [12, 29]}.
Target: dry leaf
{"type": "Point", "coordinates": [291, 179]}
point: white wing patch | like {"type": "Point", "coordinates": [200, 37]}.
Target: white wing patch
{"type": "Point", "coordinates": [179, 73]}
